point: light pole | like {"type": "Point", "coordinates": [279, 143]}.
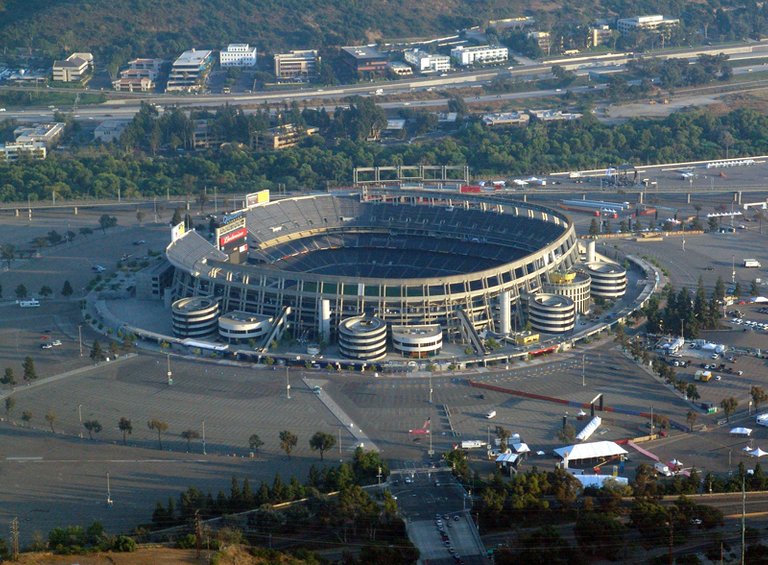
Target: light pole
{"type": "Point", "coordinates": [287, 384]}
{"type": "Point", "coordinates": [80, 417]}
{"type": "Point", "coordinates": [169, 373]}
{"type": "Point", "coordinates": [204, 453]}
{"type": "Point", "coordinates": [583, 369]}
{"type": "Point", "coordinates": [80, 337]}
{"type": "Point", "coordinates": [430, 388]}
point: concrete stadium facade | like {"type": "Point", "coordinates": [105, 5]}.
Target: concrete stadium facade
{"type": "Point", "coordinates": [407, 257]}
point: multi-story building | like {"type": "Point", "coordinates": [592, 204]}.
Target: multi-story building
{"type": "Point", "coordinates": [425, 62]}
{"type": "Point", "coordinates": [480, 54]}
{"type": "Point", "coordinates": [543, 39]}
{"type": "Point", "coordinates": [140, 76]}
{"type": "Point", "coordinates": [238, 55]}
{"type": "Point", "coordinates": [11, 152]}
{"type": "Point", "coordinates": [42, 133]}
{"type": "Point", "coordinates": [189, 71]}
{"type": "Point", "coordinates": [646, 23]}
{"type": "Point", "coordinates": [365, 59]}
{"type": "Point", "coordinates": [554, 115]}
{"type": "Point", "coordinates": [204, 136]}
{"type": "Point", "coordinates": [599, 35]}
{"type": "Point", "coordinates": [281, 137]}
{"type": "Point", "coordinates": [296, 64]}
{"type": "Point", "coordinates": [74, 68]}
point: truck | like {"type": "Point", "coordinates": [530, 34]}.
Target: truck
{"type": "Point", "coordinates": [472, 444]}
{"type": "Point", "coordinates": [751, 264]}
{"type": "Point", "coordinates": [703, 376]}
{"type": "Point", "coordinates": [32, 303]}
{"type": "Point", "coordinates": [662, 469]}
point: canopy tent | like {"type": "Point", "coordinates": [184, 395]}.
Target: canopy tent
{"type": "Point", "coordinates": [520, 447]}
{"type": "Point", "coordinates": [758, 453]}
{"type": "Point", "coordinates": [509, 458]}
{"type": "Point", "coordinates": [741, 431]}
{"type": "Point", "coordinates": [594, 450]}
{"type": "Point", "coordinates": [589, 429]}
{"type": "Point", "coordinates": [747, 448]}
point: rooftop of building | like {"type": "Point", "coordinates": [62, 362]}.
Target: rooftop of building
{"type": "Point", "coordinates": [477, 47]}
{"type": "Point", "coordinates": [193, 303]}
{"type": "Point", "coordinates": [606, 268]}
{"type": "Point", "coordinates": [363, 52]}
{"type": "Point", "coordinates": [420, 330]}
{"type": "Point", "coordinates": [241, 316]}
{"type": "Point", "coordinates": [239, 47]}
{"type": "Point", "coordinates": [362, 324]}
{"type": "Point", "coordinates": [192, 57]}
{"type": "Point", "coordinates": [552, 300]}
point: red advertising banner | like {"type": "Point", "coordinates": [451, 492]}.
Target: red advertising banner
{"type": "Point", "coordinates": [232, 236]}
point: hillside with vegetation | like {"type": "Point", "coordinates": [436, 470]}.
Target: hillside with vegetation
{"type": "Point", "coordinates": [151, 28]}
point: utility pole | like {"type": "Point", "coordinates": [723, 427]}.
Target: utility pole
{"type": "Point", "coordinates": [341, 459]}
{"type": "Point", "coordinates": [80, 417]}
{"type": "Point", "coordinates": [204, 453]}
{"type": "Point", "coordinates": [430, 388]}
{"type": "Point", "coordinates": [651, 420]}
{"type": "Point", "coordinates": [80, 337]}
{"type": "Point", "coordinates": [743, 519]}
{"type": "Point", "coordinates": [583, 368]}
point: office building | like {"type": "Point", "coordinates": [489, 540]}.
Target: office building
{"type": "Point", "coordinates": [42, 133]}
{"type": "Point", "coordinates": [400, 69]}
{"type": "Point", "coordinates": [646, 23]}
{"type": "Point", "coordinates": [13, 151]}
{"type": "Point", "coordinates": [365, 59]}
{"type": "Point", "coordinates": [189, 71]}
{"type": "Point", "coordinates": [110, 130]}
{"type": "Point", "coordinates": [424, 62]}
{"type": "Point", "coordinates": [296, 64]}
{"type": "Point", "coordinates": [599, 35]}
{"type": "Point", "coordinates": [282, 137]}
{"type": "Point", "coordinates": [238, 55]}
{"type": "Point", "coordinates": [140, 76]}
{"type": "Point", "coordinates": [543, 39]}
{"type": "Point", "coordinates": [506, 119]}
{"type": "Point", "coordinates": [482, 54]}
{"type": "Point", "coordinates": [75, 68]}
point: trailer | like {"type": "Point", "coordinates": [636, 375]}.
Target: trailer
{"type": "Point", "coordinates": [751, 264]}
{"type": "Point", "coordinates": [473, 444]}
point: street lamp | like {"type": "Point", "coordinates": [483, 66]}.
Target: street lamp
{"type": "Point", "coordinates": [204, 453]}
{"type": "Point", "coordinates": [80, 337]}
{"type": "Point", "coordinates": [583, 367]}
{"type": "Point", "coordinates": [287, 384]}
{"type": "Point", "coordinates": [80, 417]}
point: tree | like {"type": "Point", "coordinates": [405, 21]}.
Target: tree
{"type": "Point", "coordinates": [139, 216]}
{"type": "Point", "coordinates": [29, 370]}
{"type": "Point", "coordinates": [322, 442]}
{"type": "Point", "coordinates": [93, 427]}
{"type": "Point", "coordinates": [594, 227]}
{"type": "Point", "coordinates": [177, 217]}
{"type": "Point", "coordinates": [8, 377]}
{"type": "Point", "coordinates": [503, 434]}
{"type": "Point", "coordinates": [758, 395]}
{"type": "Point", "coordinates": [21, 292]}
{"type": "Point", "coordinates": [754, 289]}
{"type": "Point", "coordinates": [26, 417]}
{"type": "Point", "coordinates": [45, 291]}
{"type": "Point", "coordinates": [160, 427]}
{"type": "Point", "coordinates": [288, 441]}
{"type": "Point", "coordinates": [254, 442]}
{"type": "Point", "coordinates": [189, 435]}
{"type": "Point", "coordinates": [692, 392]}
{"type": "Point", "coordinates": [66, 290]}
{"type": "Point", "coordinates": [50, 417]}
{"type": "Point", "coordinates": [97, 354]}
{"type": "Point", "coordinates": [107, 221]}
{"type": "Point", "coordinates": [729, 406]}
{"type": "Point", "coordinates": [126, 427]}
{"type": "Point", "coordinates": [712, 223]}
{"type": "Point", "coordinates": [10, 404]}
{"type": "Point", "coordinates": [592, 529]}
{"type": "Point", "coordinates": [8, 253]}
{"type": "Point", "coordinates": [691, 419]}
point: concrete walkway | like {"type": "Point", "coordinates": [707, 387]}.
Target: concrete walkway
{"type": "Point", "coordinates": [340, 415]}
{"type": "Point", "coordinates": [61, 376]}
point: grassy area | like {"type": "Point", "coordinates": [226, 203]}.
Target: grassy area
{"type": "Point", "coordinates": [46, 98]}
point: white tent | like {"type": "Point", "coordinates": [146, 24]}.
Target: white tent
{"type": "Point", "coordinates": [741, 431]}
{"type": "Point", "coordinates": [594, 450]}
{"type": "Point", "coordinates": [762, 419]}
{"type": "Point", "coordinates": [520, 447]}
{"type": "Point", "coordinates": [600, 480]}
{"type": "Point", "coordinates": [758, 453]}
{"type": "Point", "coordinates": [589, 429]}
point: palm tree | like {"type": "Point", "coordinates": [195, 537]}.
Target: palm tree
{"type": "Point", "coordinates": [125, 426]}
{"type": "Point", "coordinates": [159, 426]}
{"type": "Point", "coordinates": [189, 435]}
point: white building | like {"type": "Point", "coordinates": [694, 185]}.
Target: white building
{"type": "Point", "coordinates": [110, 130]}
{"type": "Point", "coordinates": [301, 63]}
{"type": "Point", "coordinates": [189, 71]}
{"type": "Point", "coordinates": [425, 62]}
{"type": "Point", "coordinates": [646, 23]}
{"type": "Point", "coordinates": [40, 133]}
{"type": "Point", "coordinates": [481, 54]}
{"type": "Point", "coordinates": [506, 119]}
{"type": "Point", "coordinates": [11, 152]}
{"type": "Point", "coordinates": [238, 55]}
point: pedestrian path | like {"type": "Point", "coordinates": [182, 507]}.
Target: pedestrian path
{"type": "Point", "coordinates": [340, 415]}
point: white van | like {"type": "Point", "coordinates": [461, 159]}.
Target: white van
{"type": "Point", "coordinates": [490, 415]}
{"type": "Point", "coordinates": [662, 469]}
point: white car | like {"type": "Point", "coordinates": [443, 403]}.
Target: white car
{"type": "Point", "coordinates": [56, 343]}
{"type": "Point", "coordinates": [2, 109]}
{"type": "Point", "coordinates": [718, 378]}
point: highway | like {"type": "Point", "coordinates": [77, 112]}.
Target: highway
{"type": "Point", "coordinates": [125, 105]}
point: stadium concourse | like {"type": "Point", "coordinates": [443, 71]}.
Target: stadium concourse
{"type": "Point", "coordinates": [409, 258]}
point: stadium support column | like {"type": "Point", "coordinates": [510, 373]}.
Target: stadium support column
{"type": "Point", "coordinates": [505, 313]}
{"type": "Point", "coordinates": [324, 321]}
{"type": "Point", "coordinates": [591, 254]}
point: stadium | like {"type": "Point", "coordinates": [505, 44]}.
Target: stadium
{"type": "Point", "coordinates": [409, 258]}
